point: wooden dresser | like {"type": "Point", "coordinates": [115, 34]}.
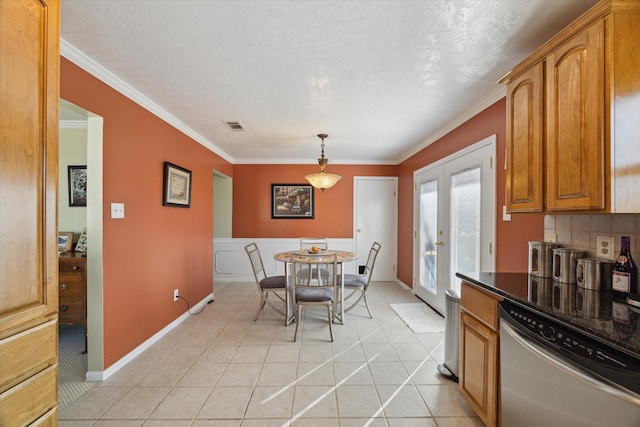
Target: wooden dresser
{"type": "Point", "coordinates": [72, 289]}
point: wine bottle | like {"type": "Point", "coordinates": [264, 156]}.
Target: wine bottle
{"type": "Point", "coordinates": [625, 272]}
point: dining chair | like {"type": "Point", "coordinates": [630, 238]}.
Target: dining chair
{"type": "Point", "coordinates": [267, 284]}
{"type": "Point", "coordinates": [309, 242]}
{"type": "Point", "coordinates": [359, 283]}
{"type": "Point", "coordinates": [312, 292]}
{"type": "Point", "coordinates": [306, 243]}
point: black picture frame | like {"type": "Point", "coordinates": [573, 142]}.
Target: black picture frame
{"type": "Point", "coordinates": [292, 201]}
{"type": "Point", "coordinates": [77, 185]}
{"type": "Point", "coordinates": [176, 187]}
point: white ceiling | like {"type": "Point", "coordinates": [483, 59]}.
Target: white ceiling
{"type": "Point", "coordinates": [382, 78]}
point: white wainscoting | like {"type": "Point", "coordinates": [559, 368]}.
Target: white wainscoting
{"type": "Point", "coordinates": [231, 263]}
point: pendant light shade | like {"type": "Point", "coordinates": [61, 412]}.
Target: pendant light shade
{"type": "Point", "coordinates": [323, 179]}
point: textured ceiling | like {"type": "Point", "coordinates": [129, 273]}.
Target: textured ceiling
{"type": "Point", "coordinates": [382, 78]}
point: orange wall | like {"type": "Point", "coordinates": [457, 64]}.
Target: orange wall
{"type": "Point", "coordinates": [252, 203]}
{"type": "Point", "coordinates": [333, 208]}
{"type": "Point", "coordinates": [155, 249]}
{"type": "Point", "coordinates": [512, 237]}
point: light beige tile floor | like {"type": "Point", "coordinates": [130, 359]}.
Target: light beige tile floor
{"type": "Point", "coordinates": [220, 368]}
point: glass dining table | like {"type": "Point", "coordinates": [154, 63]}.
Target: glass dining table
{"type": "Point", "coordinates": [286, 258]}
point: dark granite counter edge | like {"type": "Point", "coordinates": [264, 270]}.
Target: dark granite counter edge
{"type": "Point", "coordinates": [517, 295]}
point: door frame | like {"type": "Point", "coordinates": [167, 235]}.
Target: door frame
{"type": "Point", "coordinates": [387, 247]}
{"type": "Point", "coordinates": [488, 217]}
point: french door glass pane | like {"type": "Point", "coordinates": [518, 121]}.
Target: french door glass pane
{"type": "Point", "coordinates": [428, 234]}
{"type": "Point", "coordinates": [465, 223]}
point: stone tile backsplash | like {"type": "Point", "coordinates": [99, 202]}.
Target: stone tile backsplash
{"type": "Point", "coordinates": [581, 231]}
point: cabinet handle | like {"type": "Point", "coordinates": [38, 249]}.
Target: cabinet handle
{"type": "Point", "coordinates": [76, 268]}
{"type": "Point", "coordinates": [64, 307]}
{"type": "Point", "coordinates": [63, 286]}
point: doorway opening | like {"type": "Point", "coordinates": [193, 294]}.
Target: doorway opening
{"type": "Point", "coordinates": [84, 129]}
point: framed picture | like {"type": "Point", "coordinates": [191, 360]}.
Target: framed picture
{"type": "Point", "coordinates": [176, 189]}
{"type": "Point", "coordinates": [293, 201]}
{"type": "Point", "coordinates": [65, 238]}
{"type": "Point", "coordinates": [81, 246]}
{"type": "Point", "coordinates": [77, 185]}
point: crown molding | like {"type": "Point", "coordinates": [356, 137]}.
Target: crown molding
{"type": "Point", "coordinates": [499, 93]}
{"type": "Point", "coordinates": [98, 71]}
{"type": "Point", "coordinates": [89, 65]}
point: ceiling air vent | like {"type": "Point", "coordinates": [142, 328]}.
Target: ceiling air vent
{"type": "Point", "coordinates": [235, 126]}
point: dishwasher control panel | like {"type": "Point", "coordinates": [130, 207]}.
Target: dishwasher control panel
{"type": "Point", "coordinates": [596, 356]}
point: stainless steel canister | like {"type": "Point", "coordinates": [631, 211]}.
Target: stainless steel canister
{"type": "Point", "coordinates": [564, 264]}
{"type": "Point", "coordinates": [541, 258]}
{"type": "Point", "coordinates": [594, 274]}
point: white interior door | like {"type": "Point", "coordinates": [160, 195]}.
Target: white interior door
{"type": "Point", "coordinates": [376, 220]}
{"type": "Point", "coordinates": [454, 221]}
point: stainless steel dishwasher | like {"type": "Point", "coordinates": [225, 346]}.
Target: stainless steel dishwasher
{"type": "Point", "coordinates": [553, 375]}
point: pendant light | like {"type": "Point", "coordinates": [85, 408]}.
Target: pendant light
{"type": "Point", "coordinates": [323, 180]}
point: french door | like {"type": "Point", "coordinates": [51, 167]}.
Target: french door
{"type": "Point", "coordinates": [454, 220]}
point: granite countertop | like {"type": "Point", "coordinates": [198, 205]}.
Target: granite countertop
{"type": "Point", "coordinates": [591, 312]}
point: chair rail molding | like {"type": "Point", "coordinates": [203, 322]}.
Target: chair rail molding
{"type": "Point", "coordinates": [231, 264]}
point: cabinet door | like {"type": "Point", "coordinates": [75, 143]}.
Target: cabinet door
{"type": "Point", "coordinates": [478, 368]}
{"type": "Point", "coordinates": [575, 122]}
{"type": "Point", "coordinates": [525, 120]}
{"type": "Point", "coordinates": [29, 96]}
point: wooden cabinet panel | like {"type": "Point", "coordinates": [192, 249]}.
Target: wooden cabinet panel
{"type": "Point", "coordinates": [575, 122]}
{"type": "Point", "coordinates": [29, 99]}
{"type": "Point", "coordinates": [483, 306]}
{"type": "Point", "coordinates": [589, 122]}
{"type": "Point", "coordinates": [525, 118]}
{"type": "Point", "coordinates": [50, 419]}
{"type": "Point", "coordinates": [29, 163]}
{"type": "Point", "coordinates": [479, 368]}
{"type": "Point", "coordinates": [27, 353]}
{"type": "Point", "coordinates": [479, 364]}
{"type": "Point", "coordinates": [28, 401]}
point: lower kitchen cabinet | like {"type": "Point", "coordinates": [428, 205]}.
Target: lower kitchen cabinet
{"type": "Point", "coordinates": [479, 353]}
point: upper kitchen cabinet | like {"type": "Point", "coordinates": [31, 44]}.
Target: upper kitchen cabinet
{"type": "Point", "coordinates": [572, 122]}
{"type": "Point", "coordinates": [525, 119]}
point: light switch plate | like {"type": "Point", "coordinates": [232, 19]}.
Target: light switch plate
{"type": "Point", "coordinates": [117, 210]}
{"type": "Point", "coordinates": [605, 248]}
{"type": "Point", "coordinates": [505, 216]}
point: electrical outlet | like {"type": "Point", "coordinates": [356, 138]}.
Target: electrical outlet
{"type": "Point", "coordinates": [175, 295]}
{"type": "Point", "coordinates": [604, 248]}
{"type": "Point", "coordinates": [550, 237]}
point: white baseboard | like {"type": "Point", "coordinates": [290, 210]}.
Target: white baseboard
{"type": "Point", "coordinates": [401, 283]}
{"type": "Point", "coordinates": [103, 375]}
